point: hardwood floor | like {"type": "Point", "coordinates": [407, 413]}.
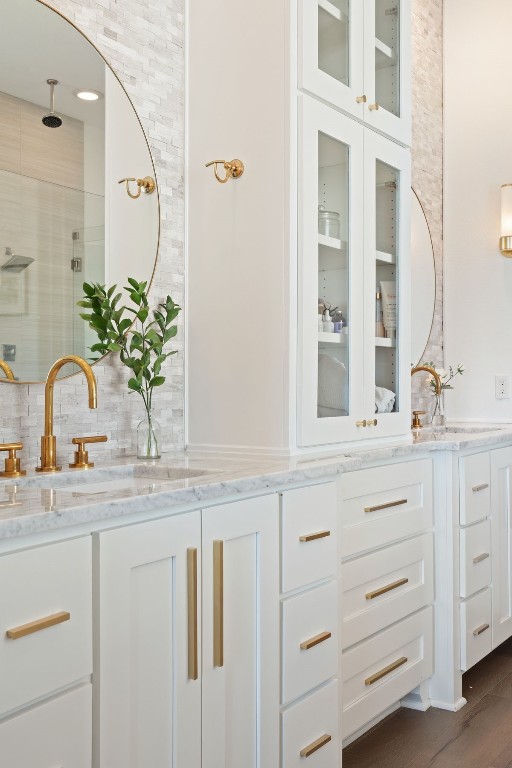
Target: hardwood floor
{"type": "Point", "coordinates": [478, 736]}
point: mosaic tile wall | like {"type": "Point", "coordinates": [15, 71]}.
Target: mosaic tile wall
{"type": "Point", "coordinates": [143, 42]}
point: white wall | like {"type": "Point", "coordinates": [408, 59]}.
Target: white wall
{"type": "Point", "coordinates": [478, 159]}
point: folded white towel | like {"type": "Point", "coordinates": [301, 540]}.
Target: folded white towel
{"type": "Point", "coordinates": [332, 383]}
{"type": "Point", "coordinates": [384, 400]}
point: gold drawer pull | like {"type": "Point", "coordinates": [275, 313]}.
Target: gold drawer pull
{"type": "Point", "coordinates": [371, 422]}
{"type": "Point", "coordinates": [192, 612]}
{"type": "Point", "coordinates": [480, 487]}
{"type": "Point", "coordinates": [386, 671]}
{"type": "Point", "coordinates": [37, 626]}
{"type": "Point", "coordinates": [479, 558]}
{"type": "Point", "coordinates": [314, 536]}
{"type": "Point", "coordinates": [307, 644]}
{"type": "Point", "coordinates": [218, 603]}
{"type": "Point", "coordinates": [480, 629]}
{"type": "Point", "coordinates": [318, 744]}
{"type": "Point", "coordinates": [388, 505]}
{"type": "Point", "coordinates": [387, 588]}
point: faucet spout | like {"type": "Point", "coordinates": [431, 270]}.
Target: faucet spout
{"type": "Point", "coordinates": [433, 372]}
{"type": "Point", "coordinates": [48, 441]}
{"type": "Point", "coordinates": [7, 370]}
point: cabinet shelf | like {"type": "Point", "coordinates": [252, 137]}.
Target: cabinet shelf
{"type": "Point", "coordinates": [384, 55]}
{"type": "Point", "coordinates": [381, 342]}
{"type": "Point", "coordinates": [331, 242]}
{"type": "Point", "coordinates": [339, 339]}
{"type": "Point", "coordinates": [332, 10]}
{"type": "Point", "coordinates": [385, 258]}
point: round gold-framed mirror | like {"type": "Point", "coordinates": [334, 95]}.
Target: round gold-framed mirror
{"type": "Point", "coordinates": [68, 134]}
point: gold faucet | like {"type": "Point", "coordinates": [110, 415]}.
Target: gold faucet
{"type": "Point", "coordinates": [7, 370]}
{"type": "Point", "coordinates": [49, 441]}
{"type": "Point", "coordinates": [433, 372]}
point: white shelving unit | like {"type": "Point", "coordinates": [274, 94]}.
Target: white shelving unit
{"type": "Point", "coordinates": [338, 339]}
{"type": "Point", "coordinates": [384, 55]}
{"type": "Point", "coordinates": [331, 242]}
{"type": "Point", "coordinates": [385, 258]}
{"type": "Point", "coordinates": [383, 342]}
{"type": "Point", "coordinates": [332, 10]}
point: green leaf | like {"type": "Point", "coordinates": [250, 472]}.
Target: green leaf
{"type": "Point", "coordinates": [142, 315]}
{"type": "Point", "coordinates": [114, 347]}
{"type": "Point", "coordinates": [134, 384]}
{"type": "Point", "coordinates": [88, 289]}
{"type": "Point", "coordinates": [124, 325]}
{"type": "Point", "coordinates": [170, 333]}
{"type": "Point", "coordinates": [157, 381]}
{"type": "Point", "coordinates": [133, 283]}
{"type": "Point", "coordinates": [85, 304]}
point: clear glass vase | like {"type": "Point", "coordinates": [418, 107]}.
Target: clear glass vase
{"type": "Point", "coordinates": [148, 439]}
{"type": "Point", "coordinates": [438, 418]}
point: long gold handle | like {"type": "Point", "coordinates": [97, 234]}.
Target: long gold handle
{"type": "Point", "coordinates": [386, 671]}
{"type": "Point", "coordinates": [479, 558]}
{"type": "Point", "coordinates": [37, 626]}
{"type": "Point", "coordinates": [316, 640]}
{"type": "Point", "coordinates": [193, 671]}
{"type": "Point", "coordinates": [480, 629]}
{"type": "Point", "coordinates": [387, 588]}
{"type": "Point", "coordinates": [314, 536]}
{"type": "Point", "coordinates": [480, 487]}
{"type": "Point", "coordinates": [388, 505]}
{"type": "Point", "coordinates": [218, 603]}
{"type": "Point", "coordinates": [315, 745]}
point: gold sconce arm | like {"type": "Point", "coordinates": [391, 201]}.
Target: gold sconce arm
{"type": "Point", "coordinates": [234, 169]}
{"type": "Point", "coordinates": [147, 184]}
{"type": "Point", "coordinates": [7, 370]}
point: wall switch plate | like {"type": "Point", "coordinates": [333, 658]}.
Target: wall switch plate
{"type": "Point", "coordinates": [502, 387]}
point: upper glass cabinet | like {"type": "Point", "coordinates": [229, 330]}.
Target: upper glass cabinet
{"type": "Point", "coordinates": [355, 55]}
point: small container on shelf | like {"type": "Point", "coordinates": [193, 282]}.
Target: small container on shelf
{"type": "Point", "coordinates": [328, 325]}
{"type": "Point", "coordinates": [328, 223]}
{"type": "Point", "coordinates": [379, 325]}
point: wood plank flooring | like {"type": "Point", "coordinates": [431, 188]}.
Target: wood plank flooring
{"type": "Point", "coordinates": [478, 736]}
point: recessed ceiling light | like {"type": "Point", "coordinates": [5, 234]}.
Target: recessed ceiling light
{"type": "Point", "coordinates": [87, 94]}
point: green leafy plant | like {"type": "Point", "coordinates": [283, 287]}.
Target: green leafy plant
{"type": "Point", "coordinates": [141, 339]}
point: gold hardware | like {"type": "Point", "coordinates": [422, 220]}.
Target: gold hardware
{"type": "Point", "coordinates": [361, 423]}
{"type": "Point", "coordinates": [314, 536]}
{"type": "Point", "coordinates": [12, 465]}
{"type": "Point", "coordinates": [433, 372]}
{"type": "Point", "coordinates": [387, 588]}
{"type": "Point", "coordinates": [218, 603]}
{"type": "Point", "coordinates": [316, 640]}
{"type": "Point", "coordinates": [81, 455]}
{"type": "Point", "coordinates": [234, 169]}
{"type": "Point", "coordinates": [49, 441]}
{"type": "Point", "coordinates": [481, 558]}
{"type": "Point", "coordinates": [480, 629]}
{"type": "Point", "coordinates": [147, 184]}
{"type": "Point", "coordinates": [388, 505]}
{"type": "Point", "coordinates": [386, 671]}
{"type": "Point", "coordinates": [361, 99]}
{"type": "Point", "coordinates": [321, 742]}
{"type": "Point", "coordinates": [371, 423]}
{"type": "Point", "coordinates": [480, 487]}
{"type": "Point", "coordinates": [416, 422]}
{"type": "Point", "coordinates": [506, 245]}
{"type": "Point", "coordinates": [373, 107]}
{"type": "Point", "coordinates": [37, 626]}
{"type": "Point", "coordinates": [7, 370]}
{"type": "Point", "coordinates": [193, 671]}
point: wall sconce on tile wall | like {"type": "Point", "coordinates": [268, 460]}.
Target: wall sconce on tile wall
{"type": "Point", "coordinates": [506, 220]}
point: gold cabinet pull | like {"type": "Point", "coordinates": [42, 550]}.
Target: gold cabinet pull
{"type": "Point", "coordinates": [316, 640]}
{"type": "Point", "coordinates": [315, 745]}
{"type": "Point", "coordinates": [479, 558]}
{"type": "Point", "coordinates": [480, 487]}
{"type": "Point", "coordinates": [373, 107]}
{"type": "Point", "coordinates": [314, 536]}
{"type": "Point", "coordinates": [386, 671]}
{"type": "Point", "coordinates": [37, 626]}
{"type": "Point", "coordinates": [388, 505]}
{"type": "Point", "coordinates": [387, 588]}
{"type": "Point", "coordinates": [361, 423]}
{"type": "Point", "coordinates": [218, 603]}
{"type": "Point", "coordinates": [371, 422]}
{"type": "Point", "coordinates": [193, 671]}
{"type": "Point", "coordinates": [480, 629]}
{"type": "Point", "coordinates": [361, 99]}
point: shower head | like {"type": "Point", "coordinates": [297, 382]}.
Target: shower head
{"type": "Point", "coordinates": [15, 263]}
{"type": "Point", "coordinates": [52, 120]}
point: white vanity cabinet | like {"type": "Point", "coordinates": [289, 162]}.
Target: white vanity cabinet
{"type": "Point", "coordinates": [501, 543]}
{"type": "Point", "coordinates": [356, 56]}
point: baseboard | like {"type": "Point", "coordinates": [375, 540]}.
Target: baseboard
{"type": "Point", "coordinates": [449, 706]}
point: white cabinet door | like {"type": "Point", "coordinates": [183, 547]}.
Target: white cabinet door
{"type": "Point", "coordinates": [240, 720]}
{"type": "Point", "coordinates": [501, 538]}
{"type": "Point", "coordinates": [149, 702]}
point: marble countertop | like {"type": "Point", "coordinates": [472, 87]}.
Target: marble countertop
{"type": "Point", "coordinates": [37, 503]}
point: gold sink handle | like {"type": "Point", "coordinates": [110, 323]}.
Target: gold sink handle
{"type": "Point", "coordinates": [12, 463]}
{"type": "Point", "coordinates": [81, 455]}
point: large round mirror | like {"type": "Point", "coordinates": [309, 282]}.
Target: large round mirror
{"type": "Point", "coordinates": [423, 281]}
{"type": "Point", "coordinates": [64, 218]}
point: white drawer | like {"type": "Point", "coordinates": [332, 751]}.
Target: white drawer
{"type": "Point", "coordinates": [308, 535]}
{"type": "Point", "coordinates": [475, 558]}
{"type": "Point", "coordinates": [380, 671]}
{"type": "Point", "coordinates": [475, 629]}
{"type": "Point", "coordinates": [306, 725]}
{"type": "Point", "coordinates": [57, 733]}
{"type": "Point", "coordinates": [310, 639]}
{"type": "Point", "coordinates": [475, 488]}
{"type": "Point", "coordinates": [386, 586]}
{"type": "Point", "coordinates": [49, 581]}
{"type": "Point", "coordinates": [384, 504]}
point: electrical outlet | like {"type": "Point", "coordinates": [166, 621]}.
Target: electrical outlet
{"type": "Point", "coordinates": [502, 387]}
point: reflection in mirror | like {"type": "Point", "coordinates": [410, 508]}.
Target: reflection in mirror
{"type": "Point", "coordinates": [64, 219]}
{"type": "Point", "coordinates": [423, 281]}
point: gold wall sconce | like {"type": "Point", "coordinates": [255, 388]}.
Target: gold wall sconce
{"type": "Point", "coordinates": [506, 220]}
{"type": "Point", "coordinates": [147, 184]}
{"type": "Point", "coordinates": [234, 169]}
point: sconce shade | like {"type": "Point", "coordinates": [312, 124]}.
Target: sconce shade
{"type": "Point", "coordinates": [506, 220]}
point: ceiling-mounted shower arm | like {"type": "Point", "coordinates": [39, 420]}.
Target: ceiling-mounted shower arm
{"type": "Point", "coordinates": [51, 120]}
{"type": "Point", "coordinates": [52, 83]}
